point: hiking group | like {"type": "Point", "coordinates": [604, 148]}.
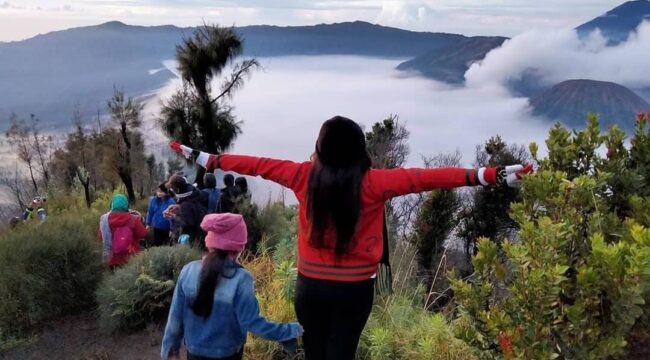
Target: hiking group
{"type": "Point", "coordinates": [173, 216]}
{"type": "Point", "coordinates": [341, 201]}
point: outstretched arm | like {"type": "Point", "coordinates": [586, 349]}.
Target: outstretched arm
{"type": "Point", "coordinates": [247, 311]}
{"type": "Point", "coordinates": [389, 183]}
{"type": "Point", "coordinates": [284, 172]}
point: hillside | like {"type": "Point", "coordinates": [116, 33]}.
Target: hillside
{"type": "Point", "coordinates": [449, 64]}
{"type": "Point", "coordinates": [48, 74]}
{"type": "Point", "coordinates": [570, 101]}
{"type": "Point", "coordinates": [617, 23]}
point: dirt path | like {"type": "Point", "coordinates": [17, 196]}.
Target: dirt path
{"type": "Point", "coordinates": [79, 338]}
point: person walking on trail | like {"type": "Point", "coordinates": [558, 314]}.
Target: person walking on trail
{"type": "Point", "coordinates": [210, 194]}
{"type": "Point", "coordinates": [228, 195]}
{"type": "Point", "coordinates": [155, 218]}
{"type": "Point", "coordinates": [120, 231]}
{"type": "Point", "coordinates": [214, 304]}
{"type": "Point", "coordinates": [340, 225]}
{"type": "Point", "coordinates": [36, 207]}
{"type": "Point", "coordinates": [243, 200]}
{"type": "Point", "coordinates": [189, 211]}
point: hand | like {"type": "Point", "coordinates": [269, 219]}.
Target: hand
{"type": "Point", "coordinates": [181, 149]}
{"type": "Point", "coordinates": [512, 175]}
{"type": "Point", "coordinates": [290, 346]}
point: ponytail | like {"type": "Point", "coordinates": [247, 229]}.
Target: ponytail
{"type": "Point", "coordinates": [213, 268]}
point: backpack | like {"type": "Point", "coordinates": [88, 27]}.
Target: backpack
{"type": "Point", "coordinates": [122, 239]}
{"type": "Point", "coordinates": [213, 200]}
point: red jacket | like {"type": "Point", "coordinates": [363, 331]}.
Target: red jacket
{"type": "Point", "coordinates": [119, 219]}
{"type": "Point", "coordinates": [378, 186]}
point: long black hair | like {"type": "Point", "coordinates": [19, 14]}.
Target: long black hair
{"type": "Point", "coordinates": [242, 184]}
{"type": "Point", "coordinates": [334, 189]}
{"type": "Point", "coordinates": [215, 265]}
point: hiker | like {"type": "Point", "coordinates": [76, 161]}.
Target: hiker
{"type": "Point", "coordinates": [340, 225]}
{"type": "Point", "coordinates": [120, 231]}
{"type": "Point", "coordinates": [243, 199]}
{"type": "Point", "coordinates": [155, 219]}
{"type": "Point", "coordinates": [214, 304]}
{"type": "Point", "coordinates": [210, 194]}
{"type": "Point", "coordinates": [189, 211]}
{"type": "Point", "coordinates": [228, 195]}
{"type": "Point", "coordinates": [38, 205]}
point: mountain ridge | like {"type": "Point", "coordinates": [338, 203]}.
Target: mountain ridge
{"type": "Point", "coordinates": [617, 23]}
{"type": "Point", "coordinates": [81, 65]}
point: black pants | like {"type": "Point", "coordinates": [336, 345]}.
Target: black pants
{"type": "Point", "coordinates": [160, 237]}
{"type": "Point", "coordinates": [333, 314]}
{"type": "Point", "coordinates": [237, 356]}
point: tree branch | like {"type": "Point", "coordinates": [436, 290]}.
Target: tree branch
{"type": "Point", "coordinates": [236, 78]}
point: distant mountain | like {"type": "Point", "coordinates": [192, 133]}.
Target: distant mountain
{"type": "Point", "coordinates": [450, 63]}
{"type": "Point", "coordinates": [570, 101]}
{"type": "Point", "coordinates": [617, 23]}
{"type": "Point", "coordinates": [48, 74]}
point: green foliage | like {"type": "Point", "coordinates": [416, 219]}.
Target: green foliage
{"type": "Point", "coordinates": [487, 216]}
{"type": "Point", "coordinates": [277, 223]}
{"type": "Point", "coordinates": [387, 143]}
{"type": "Point", "coordinates": [435, 222]}
{"type": "Point", "coordinates": [141, 292]}
{"type": "Point", "coordinates": [400, 329]}
{"type": "Point", "coordinates": [577, 283]}
{"type": "Point", "coordinates": [47, 271]}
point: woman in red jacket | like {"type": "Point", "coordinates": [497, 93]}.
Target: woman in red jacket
{"type": "Point", "coordinates": [341, 212]}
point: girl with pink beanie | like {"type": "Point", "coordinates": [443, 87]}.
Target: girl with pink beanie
{"type": "Point", "coordinates": [214, 304]}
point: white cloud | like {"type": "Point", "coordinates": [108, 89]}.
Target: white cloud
{"type": "Point", "coordinates": [560, 55]}
{"type": "Point", "coordinates": [284, 106]}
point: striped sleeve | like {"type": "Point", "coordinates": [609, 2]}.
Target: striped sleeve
{"type": "Point", "coordinates": [389, 183]}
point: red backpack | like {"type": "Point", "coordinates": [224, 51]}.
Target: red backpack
{"type": "Point", "coordinates": [123, 238]}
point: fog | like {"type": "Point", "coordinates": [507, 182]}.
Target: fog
{"type": "Point", "coordinates": [283, 107]}
{"type": "Point", "coordinates": [560, 55]}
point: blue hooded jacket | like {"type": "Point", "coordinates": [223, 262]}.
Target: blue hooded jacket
{"type": "Point", "coordinates": [234, 313]}
{"type": "Point", "coordinates": [155, 217]}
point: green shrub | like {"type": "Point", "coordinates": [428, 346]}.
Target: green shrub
{"type": "Point", "coordinates": [276, 222]}
{"type": "Point", "coordinates": [140, 292]}
{"type": "Point", "coordinates": [46, 271]}
{"type": "Point", "coordinates": [575, 285]}
{"type": "Point", "coordinates": [399, 328]}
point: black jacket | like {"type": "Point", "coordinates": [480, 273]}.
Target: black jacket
{"type": "Point", "coordinates": [191, 214]}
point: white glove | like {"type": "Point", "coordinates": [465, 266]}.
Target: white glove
{"type": "Point", "coordinates": [511, 175]}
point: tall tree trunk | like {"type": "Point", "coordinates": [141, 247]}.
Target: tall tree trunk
{"type": "Point", "coordinates": [86, 185]}
{"type": "Point", "coordinates": [31, 174]}
{"type": "Point", "coordinates": [128, 184]}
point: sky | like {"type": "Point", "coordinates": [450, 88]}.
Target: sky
{"type": "Point", "coordinates": [20, 19]}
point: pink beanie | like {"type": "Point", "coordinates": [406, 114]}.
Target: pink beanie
{"type": "Point", "coordinates": [225, 231]}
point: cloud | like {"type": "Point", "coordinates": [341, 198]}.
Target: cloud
{"type": "Point", "coordinates": [559, 55]}
{"type": "Point", "coordinates": [403, 13]}
{"type": "Point", "coordinates": [8, 5]}
{"type": "Point", "coordinates": [283, 121]}
{"type": "Point", "coordinates": [470, 17]}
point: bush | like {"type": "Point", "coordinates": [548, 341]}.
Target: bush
{"type": "Point", "coordinates": [399, 328]}
{"type": "Point", "coordinates": [274, 287]}
{"type": "Point", "coordinates": [46, 271]}
{"type": "Point", "coordinates": [276, 222]}
{"type": "Point", "coordinates": [141, 292]}
{"type": "Point", "coordinates": [575, 286]}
